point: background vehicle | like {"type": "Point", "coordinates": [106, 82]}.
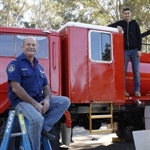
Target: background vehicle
{"type": "Point", "coordinates": [84, 62]}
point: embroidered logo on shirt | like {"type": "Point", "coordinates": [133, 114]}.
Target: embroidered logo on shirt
{"type": "Point", "coordinates": [11, 68]}
{"type": "Point", "coordinates": [24, 69]}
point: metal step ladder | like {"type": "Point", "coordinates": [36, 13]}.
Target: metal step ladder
{"type": "Point", "coordinates": [25, 143]}
{"type": "Point", "coordinates": [104, 116]}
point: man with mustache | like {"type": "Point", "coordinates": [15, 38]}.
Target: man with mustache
{"type": "Point", "coordinates": [29, 93]}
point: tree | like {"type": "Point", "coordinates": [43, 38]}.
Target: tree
{"type": "Point", "coordinates": [51, 14]}
{"type": "Point", "coordinates": [104, 12]}
{"type": "Point", "coordinates": [12, 12]}
{"type": "Point", "coordinates": [45, 14]}
{"type": "Point", "coordinates": [140, 11]}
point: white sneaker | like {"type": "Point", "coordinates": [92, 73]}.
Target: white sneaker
{"type": "Point", "coordinates": [137, 93]}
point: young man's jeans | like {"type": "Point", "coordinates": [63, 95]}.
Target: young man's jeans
{"type": "Point", "coordinates": [132, 56]}
{"type": "Point", "coordinates": [58, 105]}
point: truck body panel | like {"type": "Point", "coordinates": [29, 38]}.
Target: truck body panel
{"type": "Point", "coordinates": [144, 75]}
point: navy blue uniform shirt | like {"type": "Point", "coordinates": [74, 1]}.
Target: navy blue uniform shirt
{"type": "Point", "coordinates": [32, 79]}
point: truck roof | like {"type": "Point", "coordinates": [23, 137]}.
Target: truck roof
{"type": "Point", "coordinates": [89, 26]}
{"type": "Point", "coordinates": [26, 30]}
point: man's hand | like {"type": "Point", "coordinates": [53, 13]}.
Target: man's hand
{"type": "Point", "coordinates": [120, 29]}
{"type": "Point", "coordinates": [138, 54]}
{"type": "Point", "coordinates": [46, 105]}
{"type": "Point", "coordinates": [38, 107]}
{"type": "Point", "coordinates": [22, 94]}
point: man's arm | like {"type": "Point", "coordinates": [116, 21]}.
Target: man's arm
{"type": "Point", "coordinates": [139, 38]}
{"type": "Point", "coordinates": [116, 25]}
{"type": "Point", "coordinates": [47, 96]}
{"type": "Point", "coordinates": [113, 25]}
{"type": "Point", "coordinates": [22, 94]}
{"type": "Point", "coordinates": [47, 92]}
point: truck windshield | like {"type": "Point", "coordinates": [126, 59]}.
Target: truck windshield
{"type": "Point", "coordinates": [100, 46]}
{"type": "Point", "coordinates": [10, 45]}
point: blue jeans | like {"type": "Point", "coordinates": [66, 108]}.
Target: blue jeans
{"type": "Point", "coordinates": [37, 121]}
{"type": "Point", "coordinates": [132, 56]}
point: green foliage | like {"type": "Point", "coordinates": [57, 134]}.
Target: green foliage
{"type": "Point", "coordinates": [51, 14]}
{"type": "Point", "coordinates": [140, 12]}
{"type": "Point", "coordinates": [12, 12]}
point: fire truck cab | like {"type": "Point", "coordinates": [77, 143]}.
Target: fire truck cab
{"type": "Point", "coordinates": [93, 79]}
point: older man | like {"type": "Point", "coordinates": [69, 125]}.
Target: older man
{"type": "Point", "coordinates": [29, 93]}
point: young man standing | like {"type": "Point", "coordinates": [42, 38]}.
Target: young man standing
{"type": "Point", "coordinates": [132, 46]}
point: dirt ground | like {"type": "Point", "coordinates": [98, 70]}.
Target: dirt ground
{"type": "Point", "coordinates": [83, 140]}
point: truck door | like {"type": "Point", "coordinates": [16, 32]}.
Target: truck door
{"type": "Point", "coordinates": [101, 71]}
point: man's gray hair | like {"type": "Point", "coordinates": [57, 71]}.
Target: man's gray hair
{"type": "Point", "coordinates": [30, 37]}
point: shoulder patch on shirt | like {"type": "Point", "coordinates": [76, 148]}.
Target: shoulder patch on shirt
{"type": "Point", "coordinates": [11, 68]}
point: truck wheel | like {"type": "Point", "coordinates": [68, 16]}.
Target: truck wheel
{"type": "Point", "coordinates": [120, 130]}
{"type": "Point", "coordinates": [125, 132]}
{"type": "Point", "coordinates": [128, 133]}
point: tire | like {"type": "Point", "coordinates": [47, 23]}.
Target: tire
{"type": "Point", "coordinates": [125, 132]}
{"type": "Point", "coordinates": [120, 130]}
{"type": "Point", "coordinates": [128, 133]}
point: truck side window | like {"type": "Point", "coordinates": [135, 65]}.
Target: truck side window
{"type": "Point", "coordinates": [42, 48]}
{"type": "Point", "coordinates": [7, 45]}
{"type": "Point", "coordinates": [100, 46]}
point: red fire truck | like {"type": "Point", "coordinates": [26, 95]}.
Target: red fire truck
{"type": "Point", "coordinates": [86, 63]}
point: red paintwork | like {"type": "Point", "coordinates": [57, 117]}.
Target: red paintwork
{"type": "Point", "coordinates": [51, 65]}
{"type": "Point", "coordinates": [144, 75]}
{"type": "Point", "coordinates": [68, 119]}
{"type": "Point", "coordinates": [86, 81]}
{"type": "Point", "coordinates": [28, 31]}
{"type": "Point", "coordinates": [75, 69]}
{"type": "Point", "coordinates": [71, 73]}
{"type": "Point", "coordinates": [55, 65]}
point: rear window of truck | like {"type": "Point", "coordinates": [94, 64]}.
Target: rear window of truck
{"type": "Point", "coordinates": [100, 46]}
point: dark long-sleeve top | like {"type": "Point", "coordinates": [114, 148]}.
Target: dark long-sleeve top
{"type": "Point", "coordinates": [132, 34]}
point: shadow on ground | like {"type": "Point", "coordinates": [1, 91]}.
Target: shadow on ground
{"type": "Point", "coordinates": [114, 146]}
{"type": "Point", "coordinates": [83, 140]}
